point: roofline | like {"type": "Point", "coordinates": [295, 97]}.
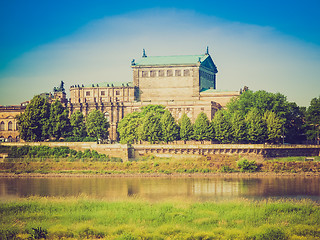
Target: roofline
{"type": "Point", "coordinates": [167, 65]}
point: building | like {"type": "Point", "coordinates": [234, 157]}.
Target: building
{"type": "Point", "coordinates": [183, 84]}
{"type": "Point", "coordinates": [8, 123]}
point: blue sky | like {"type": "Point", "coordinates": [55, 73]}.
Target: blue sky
{"type": "Point", "coordinates": [269, 45]}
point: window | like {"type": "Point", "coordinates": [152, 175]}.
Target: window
{"type": "Point", "coordinates": [87, 93]}
{"type": "Point", "coordinates": [152, 73]}
{"type": "Point", "coordinates": [178, 73]}
{"type": "Point", "coordinates": [10, 126]}
{"type": "Point", "coordinates": [2, 126]}
{"type": "Point", "coordinates": [144, 74]}
{"type": "Point", "coordinates": [169, 73]}
{"type": "Point", "coordinates": [118, 93]}
{"type": "Point", "coordinates": [161, 73]}
{"type": "Point", "coordinates": [103, 93]}
{"type": "Point", "coordinates": [186, 72]}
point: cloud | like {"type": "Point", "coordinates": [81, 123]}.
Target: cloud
{"type": "Point", "coordinates": [255, 56]}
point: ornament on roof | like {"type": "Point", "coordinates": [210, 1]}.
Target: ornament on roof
{"type": "Point", "coordinates": [144, 53]}
{"type": "Point", "coordinates": [207, 52]}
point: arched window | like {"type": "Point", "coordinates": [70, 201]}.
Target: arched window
{"type": "Point", "coordinates": [10, 126]}
{"type": "Point", "coordinates": [2, 126]}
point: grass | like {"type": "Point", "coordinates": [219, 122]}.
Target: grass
{"type": "Point", "coordinates": [81, 218]}
{"type": "Point", "coordinates": [150, 165]}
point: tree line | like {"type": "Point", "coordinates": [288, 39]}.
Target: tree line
{"type": "Point", "coordinates": [253, 117]}
{"type": "Point", "coordinates": [42, 120]}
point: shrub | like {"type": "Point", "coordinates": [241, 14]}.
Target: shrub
{"type": "Point", "coordinates": [39, 233]}
{"type": "Point", "coordinates": [247, 166]}
{"type": "Point", "coordinates": [226, 169]}
{"type": "Point", "coordinates": [272, 233]}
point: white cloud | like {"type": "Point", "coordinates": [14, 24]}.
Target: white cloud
{"type": "Point", "coordinates": [256, 56]}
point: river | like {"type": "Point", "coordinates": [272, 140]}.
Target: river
{"type": "Point", "coordinates": [163, 188]}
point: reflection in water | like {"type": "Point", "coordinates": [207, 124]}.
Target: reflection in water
{"type": "Point", "coordinates": [155, 189]}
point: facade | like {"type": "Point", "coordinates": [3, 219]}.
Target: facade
{"type": "Point", "coordinates": [8, 123]}
{"type": "Point", "coordinates": [183, 84]}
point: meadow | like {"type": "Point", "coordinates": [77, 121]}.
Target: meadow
{"type": "Point", "coordinates": [83, 218]}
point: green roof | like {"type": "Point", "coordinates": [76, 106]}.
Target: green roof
{"type": "Point", "coordinates": [170, 60]}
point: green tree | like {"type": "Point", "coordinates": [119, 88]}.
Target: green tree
{"type": "Point", "coordinates": [128, 128]}
{"type": "Point", "coordinates": [222, 126]}
{"type": "Point", "coordinates": [238, 128]}
{"type": "Point", "coordinates": [77, 125]}
{"type": "Point", "coordinates": [31, 123]}
{"type": "Point", "coordinates": [313, 120]}
{"type": "Point", "coordinates": [186, 128]}
{"type": "Point", "coordinates": [256, 127]}
{"type": "Point", "coordinates": [262, 101]}
{"type": "Point", "coordinates": [170, 129]}
{"type": "Point", "coordinates": [59, 122]}
{"type": "Point", "coordinates": [202, 129]}
{"type": "Point", "coordinates": [274, 127]}
{"type": "Point", "coordinates": [150, 129]}
{"type": "Point", "coordinates": [97, 125]}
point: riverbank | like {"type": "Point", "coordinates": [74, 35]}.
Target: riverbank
{"type": "Point", "coordinates": [82, 218]}
{"type": "Point", "coordinates": [160, 167]}
{"type": "Point", "coordinates": [160, 175]}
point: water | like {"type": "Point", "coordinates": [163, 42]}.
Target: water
{"type": "Point", "coordinates": [159, 189]}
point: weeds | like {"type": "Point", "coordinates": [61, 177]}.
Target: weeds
{"type": "Point", "coordinates": [80, 218]}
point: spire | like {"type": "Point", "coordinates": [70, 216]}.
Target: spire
{"type": "Point", "coordinates": [207, 52]}
{"type": "Point", "coordinates": [144, 53]}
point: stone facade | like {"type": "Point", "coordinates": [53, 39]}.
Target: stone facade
{"type": "Point", "coordinates": [8, 123]}
{"type": "Point", "coordinates": [183, 84]}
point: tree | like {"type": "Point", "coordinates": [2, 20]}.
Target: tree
{"type": "Point", "coordinates": [238, 128]}
{"type": "Point", "coordinates": [186, 128]}
{"type": "Point", "coordinates": [128, 128]}
{"type": "Point", "coordinates": [202, 129]}
{"type": "Point", "coordinates": [150, 129]}
{"type": "Point", "coordinates": [288, 112]}
{"type": "Point", "coordinates": [31, 123]}
{"type": "Point", "coordinates": [59, 123]}
{"type": "Point", "coordinates": [313, 119]}
{"type": "Point", "coordinates": [222, 126]}
{"type": "Point", "coordinates": [77, 125]}
{"type": "Point", "coordinates": [97, 125]}
{"type": "Point", "coordinates": [256, 127]}
{"type": "Point", "coordinates": [274, 127]}
{"type": "Point", "coordinates": [170, 130]}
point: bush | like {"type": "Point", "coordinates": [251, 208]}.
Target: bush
{"type": "Point", "coordinates": [247, 166]}
{"type": "Point", "coordinates": [39, 233]}
{"type": "Point", "coordinates": [272, 233]}
{"type": "Point", "coordinates": [226, 169]}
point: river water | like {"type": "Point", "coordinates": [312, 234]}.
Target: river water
{"type": "Point", "coordinates": [161, 189]}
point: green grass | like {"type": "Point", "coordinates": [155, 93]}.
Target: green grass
{"type": "Point", "coordinates": [295, 159]}
{"type": "Point", "coordinates": [79, 218]}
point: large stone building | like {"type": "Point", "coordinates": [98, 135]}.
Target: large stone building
{"type": "Point", "coordinates": [183, 84]}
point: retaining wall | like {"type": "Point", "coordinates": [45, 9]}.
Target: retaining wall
{"type": "Point", "coordinates": [250, 151]}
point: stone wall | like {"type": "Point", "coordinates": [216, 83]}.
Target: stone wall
{"type": "Point", "coordinates": [113, 150]}
{"type": "Point", "coordinates": [257, 152]}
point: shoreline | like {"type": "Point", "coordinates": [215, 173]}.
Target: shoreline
{"type": "Point", "coordinates": [162, 175]}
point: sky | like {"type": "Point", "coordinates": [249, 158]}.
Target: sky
{"type": "Point", "coordinates": [265, 45]}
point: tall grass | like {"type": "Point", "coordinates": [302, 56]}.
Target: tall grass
{"type": "Point", "coordinates": [79, 218]}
